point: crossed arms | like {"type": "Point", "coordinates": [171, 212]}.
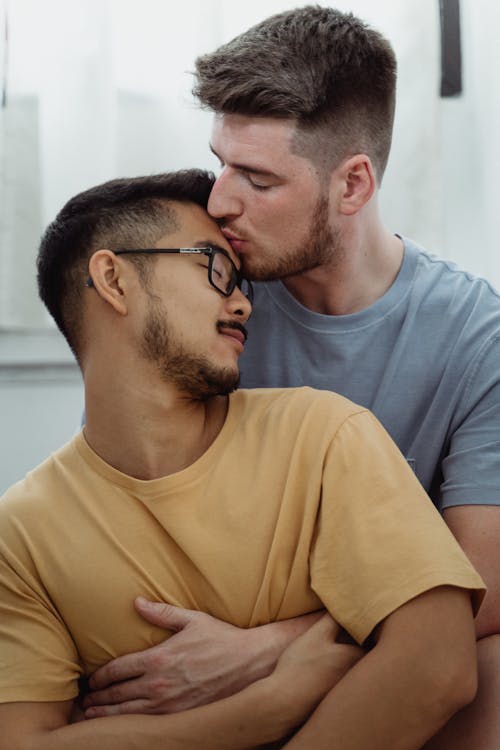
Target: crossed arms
{"type": "Point", "coordinates": [420, 671]}
{"type": "Point", "coordinates": [219, 659]}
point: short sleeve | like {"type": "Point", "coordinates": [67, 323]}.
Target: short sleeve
{"type": "Point", "coordinates": [38, 658]}
{"type": "Point", "coordinates": [471, 468]}
{"type": "Point", "coordinates": [379, 540]}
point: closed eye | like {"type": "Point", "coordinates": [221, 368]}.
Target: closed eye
{"type": "Point", "coordinates": [215, 272]}
{"type": "Point", "coordinates": [260, 187]}
{"type": "Point", "coordinates": [255, 184]}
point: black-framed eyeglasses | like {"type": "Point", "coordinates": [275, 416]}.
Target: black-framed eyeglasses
{"type": "Point", "coordinates": [222, 273]}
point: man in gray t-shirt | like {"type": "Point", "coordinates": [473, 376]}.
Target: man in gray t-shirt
{"type": "Point", "coordinates": [424, 357]}
{"type": "Point", "coordinates": [304, 107]}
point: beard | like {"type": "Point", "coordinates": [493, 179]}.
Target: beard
{"type": "Point", "coordinates": [321, 246]}
{"type": "Point", "coordinates": [195, 376]}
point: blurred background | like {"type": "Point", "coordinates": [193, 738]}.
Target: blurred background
{"type": "Point", "coordinates": [96, 89]}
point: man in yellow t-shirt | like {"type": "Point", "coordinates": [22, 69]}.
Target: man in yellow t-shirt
{"type": "Point", "coordinates": [252, 506]}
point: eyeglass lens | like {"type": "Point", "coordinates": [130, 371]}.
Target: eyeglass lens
{"type": "Point", "coordinates": [223, 273]}
{"type": "Point", "coordinates": [225, 277]}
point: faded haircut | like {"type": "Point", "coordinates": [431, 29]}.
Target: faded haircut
{"type": "Point", "coordinates": [326, 70]}
{"type": "Point", "coordinates": [127, 212]}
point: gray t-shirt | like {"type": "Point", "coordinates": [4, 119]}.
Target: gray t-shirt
{"type": "Point", "coordinates": [425, 358]}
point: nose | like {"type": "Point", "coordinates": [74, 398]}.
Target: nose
{"type": "Point", "coordinates": [223, 201]}
{"type": "Point", "coordinates": [239, 305]}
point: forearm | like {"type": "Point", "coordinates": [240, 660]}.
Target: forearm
{"type": "Point", "coordinates": [262, 713]}
{"type": "Point", "coordinates": [190, 730]}
{"type": "Point", "coordinates": [374, 707]}
{"type": "Point", "coordinates": [477, 529]}
{"type": "Point", "coordinates": [265, 644]}
{"type": "Point", "coordinates": [422, 670]}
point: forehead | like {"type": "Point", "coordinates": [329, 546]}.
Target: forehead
{"type": "Point", "coordinates": [194, 228]}
{"type": "Point", "coordinates": [259, 144]}
{"type": "Point", "coordinates": [258, 137]}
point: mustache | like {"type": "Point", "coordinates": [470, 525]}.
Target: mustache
{"type": "Point", "coordinates": [233, 324]}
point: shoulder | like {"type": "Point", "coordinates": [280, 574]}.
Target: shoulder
{"type": "Point", "coordinates": [303, 395]}
{"type": "Point", "coordinates": [448, 281]}
{"type": "Point", "coordinates": [40, 489]}
{"type": "Point", "coordinates": [295, 405]}
{"type": "Point", "coordinates": [456, 310]}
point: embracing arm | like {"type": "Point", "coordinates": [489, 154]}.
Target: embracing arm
{"type": "Point", "coordinates": [421, 671]}
{"type": "Point", "coordinates": [204, 661]}
{"type": "Point", "coordinates": [45, 726]}
{"type": "Point", "coordinates": [263, 712]}
{"type": "Point", "coordinates": [470, 492]}
{"type": "Point", "coordinates": [477, 530]}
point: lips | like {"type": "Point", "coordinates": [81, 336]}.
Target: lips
{"type": "Point", "coordinates": [237, 243]}
{"type": "Point", "coordinates": [235, 330]}
{"type": "Point", "coordinates": [234, 334]}
{"type": "Point", "coordinates": [229, 235]}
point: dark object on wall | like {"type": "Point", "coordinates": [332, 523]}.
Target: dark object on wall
{"type": "Point", "coordinates": [3, 64]}
{"type": "Point", "coordinates": [451, 48]}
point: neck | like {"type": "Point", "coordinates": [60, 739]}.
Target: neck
{"type": "Point", "coordinates": [149, 430]}
{"type": "Point", "coordinates": [361, 272]}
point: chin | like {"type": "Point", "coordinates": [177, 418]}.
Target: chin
{"type": "Point", "coordinates": [227, 383]}
{"type": "Point", "coordinates": [210, 382]}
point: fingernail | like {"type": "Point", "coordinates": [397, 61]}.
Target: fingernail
{"type": "Point", "coordinates": [143, 602]}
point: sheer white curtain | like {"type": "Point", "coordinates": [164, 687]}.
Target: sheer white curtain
{"type": "Point", "coordinates": [471, 146]}
{"type": "Point", "coordinates": [100, 88]}
{"type": "Point", "coordinates": [96, 89]}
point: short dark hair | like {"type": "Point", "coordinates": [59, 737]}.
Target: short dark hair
{"type": "Point", "coordinates": [327, 70]}
{"type": "Point", "coordinates": [126, 212]}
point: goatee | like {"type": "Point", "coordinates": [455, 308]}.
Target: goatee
{"type": "Point", "coordinates": [197, 377]}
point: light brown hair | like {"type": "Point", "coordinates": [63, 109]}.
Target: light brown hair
{"type": "Point", "coordinates": [326, 70]}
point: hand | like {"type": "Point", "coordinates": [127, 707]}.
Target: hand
{"type": "Point", "coordinates": [316, 661]}
{"type": "Point", "coordinates": [205, 660]}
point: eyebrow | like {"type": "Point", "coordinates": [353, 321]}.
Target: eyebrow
{"type": "Point", "coordinates": [208, 243]}
{"type": "Point", "coordinates": [245, 167]}
{"type": "Point", "coordinates": [204, 243]}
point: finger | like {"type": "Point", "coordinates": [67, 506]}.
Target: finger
{"type": "Point", "coordinates": [130, 707]}
{"type": "Point", "coordinates": [124, 667]}
{"type": "Point", "coordinates": [119, 693]}
{"type": "Point", "coordinates": [164, 615]}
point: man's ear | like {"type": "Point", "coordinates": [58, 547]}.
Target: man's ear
{"type": "Point", "coordinates": [107, 276]}
{"type": "Point", "coordinates": [358, 183]}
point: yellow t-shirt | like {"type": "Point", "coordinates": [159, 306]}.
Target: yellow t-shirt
{"type": "Point", "coordinates": [301, 502]}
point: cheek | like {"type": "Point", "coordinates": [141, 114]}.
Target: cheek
{"type": "Point", "coordinates": [267, 211]}
{"type": "Point", "coordinates": [282, 220]}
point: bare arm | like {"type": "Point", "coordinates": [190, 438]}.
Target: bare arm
{"type": "Point", "coordinates": [205, 660]}
{"type": "Point", "coordinates": [477, 529]}
{"type": "Point", "coordinates": [422, 670]}
{"type": "Point", "coordinates": [264, 712]}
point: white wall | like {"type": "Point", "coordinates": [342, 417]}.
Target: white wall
{"type": "Point", "coordinates": [41, 400]}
